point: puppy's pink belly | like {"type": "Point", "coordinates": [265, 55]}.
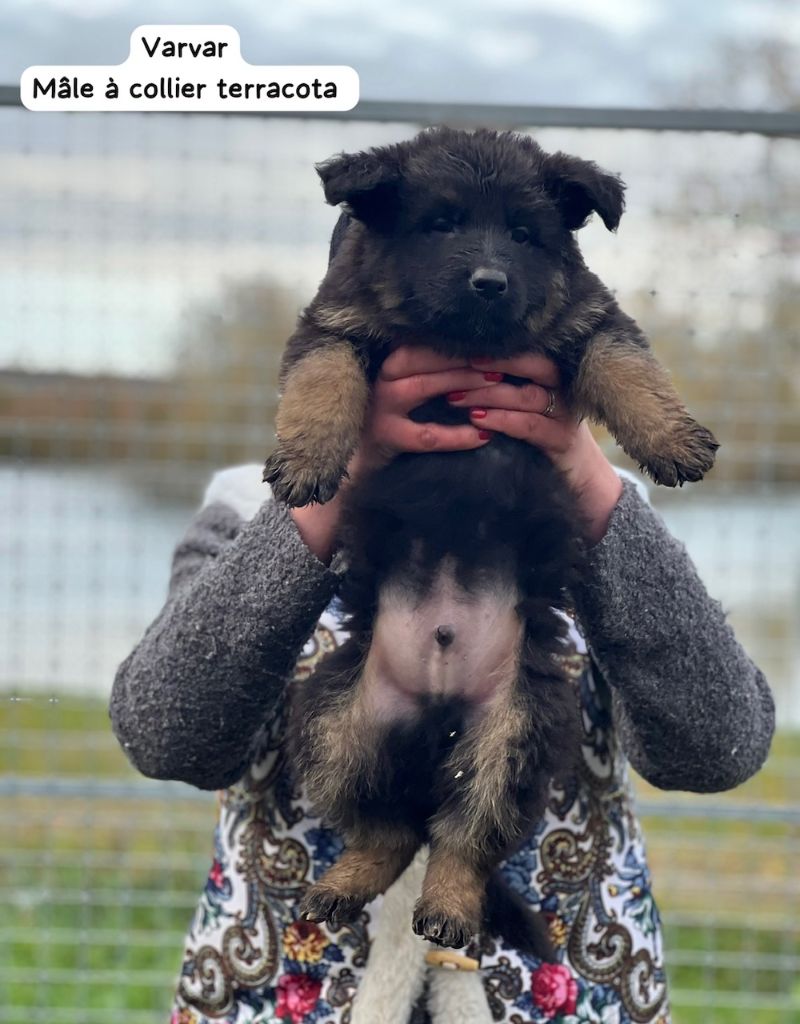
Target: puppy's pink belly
{"type": "Point", "coordinates": [407, 663]}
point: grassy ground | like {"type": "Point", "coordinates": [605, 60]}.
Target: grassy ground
{"type": "Point", "coordinates": [97, 893]}
{"type": "Point", "coordinates": [729, 893]}
{"type": "Point", "coordinates": [100, 891]}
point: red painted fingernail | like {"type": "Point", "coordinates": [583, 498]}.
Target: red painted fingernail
{"type": "Point", "coordinates": [456, 396]}
{"type": "Point", "coordinates": [484, 435]}
{"type": "Point", "coordinates": [477, 414]}
{"type": "Point", "coordinates": [481, 359]}
{"type": "Point", "coordinates": [493, 375]}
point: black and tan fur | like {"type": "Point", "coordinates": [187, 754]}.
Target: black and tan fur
{"type": "Point", "coordinates": [470, 779]}
{"type": "Point", "coordinates": [493, 528]}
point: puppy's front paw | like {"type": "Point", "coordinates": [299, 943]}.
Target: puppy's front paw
{"type": "Point", "coordinates": [337, 908]}
{"type": "Point", "coordinates": [302, 478]}
{"type": "Point", "coordinates": [685, 455]}
{"type": "Point", "coordinates": [441, 927]}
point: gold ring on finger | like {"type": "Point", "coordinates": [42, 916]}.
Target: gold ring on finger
{"type": "Point", "coordinates": [551, 402]}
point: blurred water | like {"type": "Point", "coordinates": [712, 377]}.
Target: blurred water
{"type": "Point", "coordinates": [86, 557]}
{"type": "Point", "coordinates": [85, 554]}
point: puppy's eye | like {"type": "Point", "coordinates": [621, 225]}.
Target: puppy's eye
{"type": "Point", "coordinates": [520, 234]}
{"type": "Point", "coordinates": [444, 224]}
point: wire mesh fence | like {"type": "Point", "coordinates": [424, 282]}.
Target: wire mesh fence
{"type": "Point", "coordinates": [152, 268]}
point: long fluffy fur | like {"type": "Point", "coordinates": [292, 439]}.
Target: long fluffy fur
{"type": "Point", "coordinates": [471, 780]}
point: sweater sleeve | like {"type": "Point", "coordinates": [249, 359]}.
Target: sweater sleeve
{"type": "Point", "coordinates": [692, 710]}
{"type": "Point", "coordinates": [244, 596]}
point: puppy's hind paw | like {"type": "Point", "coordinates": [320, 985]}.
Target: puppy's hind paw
{"type": "Point", "coordinates": [442, 928]}
{"type": "Point", "coordinates": [337, 908]}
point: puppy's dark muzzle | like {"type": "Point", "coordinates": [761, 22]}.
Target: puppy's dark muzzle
{"type": "Point", "coordinates": [489, 284]}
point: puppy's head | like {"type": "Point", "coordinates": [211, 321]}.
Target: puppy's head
{"type": "Point", "coordinates": [472, 232]}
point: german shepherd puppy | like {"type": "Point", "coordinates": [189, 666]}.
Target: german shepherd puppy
{"type": "Point", "coordinates": [445, 716]}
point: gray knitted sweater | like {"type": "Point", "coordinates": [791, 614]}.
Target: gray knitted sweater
{"type": "Point", "coordinates": [691, 709]}
{"type": "Point", "coordinates": [663, 681]}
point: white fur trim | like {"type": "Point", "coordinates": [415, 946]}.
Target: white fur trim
{"type": "Point", "coordinates": [240, 488]}
{"type": "Point", "coordinates": [457, 997]}
{"type": "Point", "coordinates": [395, 971]}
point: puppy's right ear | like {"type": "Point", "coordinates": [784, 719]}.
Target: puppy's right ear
{"type": "Point", "coordinates": [366, 183]}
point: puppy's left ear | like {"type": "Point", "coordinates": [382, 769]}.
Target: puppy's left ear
{"type": "Point", "coordinates": [366, 183]}
{"type": "Point", "coordinates": [580, 186]}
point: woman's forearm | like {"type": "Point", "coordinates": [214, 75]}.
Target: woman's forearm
{"type": "Point", "coordinates": [692, 709]}
{"type": "Point", "coordinates": [317, 526]}
{"type": "Point", "coordinates": [595, 484]}
{"type": "Point", "coordinates": [210, 670]}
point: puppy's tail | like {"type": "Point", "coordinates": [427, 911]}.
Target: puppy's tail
{"type": "Point", "coordinates": [509, 916]}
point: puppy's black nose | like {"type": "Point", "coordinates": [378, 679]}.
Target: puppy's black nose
{"type": "Point", "coordinates": [491, 284]}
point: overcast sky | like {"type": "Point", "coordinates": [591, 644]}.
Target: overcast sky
{"type": "Point", "coordinates": [116, 225]}
{"type": "Point", "coordinates": [592, 52]}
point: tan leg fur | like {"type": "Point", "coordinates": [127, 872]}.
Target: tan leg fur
{"type": "Point", "coordinates": [319, 424]}
{"type": "Point", "coordinates": [360, 874]}
{"type": "Point", "coordinates": [628, 390]}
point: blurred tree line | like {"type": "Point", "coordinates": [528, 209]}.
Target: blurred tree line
{"type": "Point", "coordinates": [219, 405]}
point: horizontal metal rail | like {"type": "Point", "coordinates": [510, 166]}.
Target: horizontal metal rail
{"type": "Point", "coordinates": [146, 939]}
{"type": "Point", "coordinates": [101, 789]}
{"type": "Point", "coordinates": [718, 998]}
{"type": "Point", "coordinates": [64, 1015]}
{"type": "Point", "coordinates": [785, 963]}
{"type": "Point", "coordinates": [498, 115]}
{"type": "Point", "coordinates": [105, 789]}
{"type": "Point", "coordinates": [57, 896]}
{"type": "Point", "coordinates": [734, 999]}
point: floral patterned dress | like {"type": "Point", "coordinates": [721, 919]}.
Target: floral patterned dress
{"type": "Point", "coordinates": [249, 960]}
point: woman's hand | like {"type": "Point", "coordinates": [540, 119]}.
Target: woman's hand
{"type": "Point", "coordinates": [537, 412]}
{"type": "Point", "coordinates": [410, 376]}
